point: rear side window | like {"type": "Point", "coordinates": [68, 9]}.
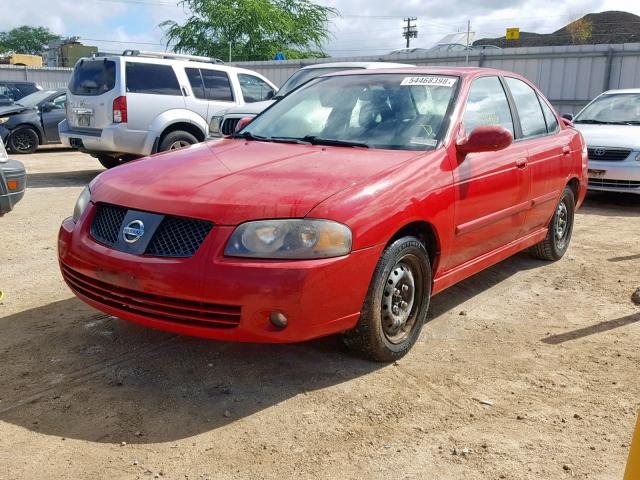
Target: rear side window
{"type": "Point", "coordinates": [254, 89]}
{"type": "Point", "coordinates": [487, 105]}
{"type": "Point", "coordinates": [528, 106]}
{"type": "Point", "coordinates": [216, 85]}
{"type": "Point", "coordinates": [195, 80]}
{"type": "Point", "coordinates": [93, 77]}
{"type": "Point", "coordinates": [152, 79]}
{"type": "Point", "coordinates": [549, 116]}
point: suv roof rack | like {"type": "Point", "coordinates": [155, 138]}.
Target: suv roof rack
{"type": "Point", "coordinates": [170, 56]}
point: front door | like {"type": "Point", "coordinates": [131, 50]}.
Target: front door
{"type": "Point", "coordinates": [492, 188]}
{"type": "Point", "coordinates": [53, 117]}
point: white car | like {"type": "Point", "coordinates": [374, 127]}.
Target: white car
{"type": "Point", "coordinates": [125, 106]}
{"type": "Point", "coordinates": [610, 125]}
{"type": "Point", "coordinates": [225, 124]}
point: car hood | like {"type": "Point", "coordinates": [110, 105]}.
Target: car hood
{"type": "Point", "coordinates": [250, 108]}
{"type": "Point", "coordinates": [622, 136]}
{"type": "Point", "coordinates": [11, 109]}
{"type": "Point", "coordinates": [232, 181]}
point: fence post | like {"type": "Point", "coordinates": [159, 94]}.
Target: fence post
{"type": "Point", "coordinates": [607, 71]}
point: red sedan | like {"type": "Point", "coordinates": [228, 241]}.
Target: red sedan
{"type": "Point", "coordinates": [340, 209]}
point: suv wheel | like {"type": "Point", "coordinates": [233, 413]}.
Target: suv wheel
{"type": "Point", "coordinates": [176, 139]}
{"type": "Point", "coordinates": [396, 305]}
{"type": "Point", "coordinates": [23, 140]}
{"type": "Point", "coordinates": [108, 162]}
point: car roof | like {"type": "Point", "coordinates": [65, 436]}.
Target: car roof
{"type": "Point", "coordinates": [622, 90]}
{"type": "Point", "coordinates": [366, 65]}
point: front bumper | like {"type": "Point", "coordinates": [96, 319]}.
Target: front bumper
{"type": "Point", "coordinates": [622, 177]}
{"type": "Point", "coordinates": [10, 172]}
{"type": "Point", "coordinates": [114, 140]}
{"type": "Point", "coordinates": [318, 297]}
{"type": "Point", "coordinates": [4, 134]}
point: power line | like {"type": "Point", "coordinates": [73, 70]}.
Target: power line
{"type": "Point", "coordinates": [410, 31]}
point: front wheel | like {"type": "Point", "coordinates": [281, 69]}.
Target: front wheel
{"type": "Point", "coordinates": [23, 140]}
{"type": "Point", "coordinates": [556, 243]}
{"type": "Point", "coordinates": [396, 304]}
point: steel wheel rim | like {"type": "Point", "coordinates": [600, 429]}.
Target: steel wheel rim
{"type": "Point", "coordinates": [23, 141]}
{"type": "Point", "coordinates": [400, 299]}
{"type": "Point", "coordinates": [179, 144]}
{"type": "Point", "coordinates": [562, 224]}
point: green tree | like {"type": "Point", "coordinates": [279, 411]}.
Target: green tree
{"type": "Point", "coordinates": [26, 39]}
{"type": "Point", "coordinates": [580, 30]}
{"type": "Point", "coordinates": [255, 29]}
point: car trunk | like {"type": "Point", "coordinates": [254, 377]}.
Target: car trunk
{"type": "Point", "coordinates": [92, 89]}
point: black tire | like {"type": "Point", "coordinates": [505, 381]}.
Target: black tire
{"type": "Point", "coordinates": [176, 139]}
{"type": "Point", "coordinates": [109, 162]}
{"type": "Point", "coordinates": [373, 337]}
{"type": "Point", "coordinates": [23, 140]}
{"type": "Point", "coordinates": [556, 244]}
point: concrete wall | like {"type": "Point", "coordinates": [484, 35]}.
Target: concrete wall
{"type": "Point", "coordinates": [570, 76]}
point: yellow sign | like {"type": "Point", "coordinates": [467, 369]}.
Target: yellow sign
{"type": "Point", "coordinates": [513, 33]}
{"type": "Point", "coordinates": [633, 465]}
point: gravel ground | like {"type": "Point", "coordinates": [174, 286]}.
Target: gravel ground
{"type": "Point", "coordinates": [527, 370]}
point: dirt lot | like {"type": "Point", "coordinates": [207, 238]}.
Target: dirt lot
{"type": "Point", "coordinates": [552, 347]}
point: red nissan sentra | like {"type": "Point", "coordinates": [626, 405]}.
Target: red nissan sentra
{"type": "Point", "coordinates": [340, 209]}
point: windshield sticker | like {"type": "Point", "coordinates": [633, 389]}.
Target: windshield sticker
{"type": "Point", "coordinates": [430, 81]}
{"type": "Point", "coordinates": [431, 142]}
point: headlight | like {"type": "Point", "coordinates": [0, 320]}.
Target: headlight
{"type": "Point", "coordinates": [214, 124]}
{"type": "Point", "coordinates": [290, 239]}
{"type": "Point", "coordinates": [81, 204]}
{"type": "Point", "coordinates": [4, 120]}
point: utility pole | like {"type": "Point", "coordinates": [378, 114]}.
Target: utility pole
{"type": "Point", "coordinates": [466, 62]}
{"type": "Point", "coordinates": [411, 30]}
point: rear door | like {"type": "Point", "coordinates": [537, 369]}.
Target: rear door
{"type": "Point", "coordinates": [92, 89]}
{"type": "Point", "coordinates": [152, 89]}
{"type": "Point", "coordinates": [197, 101]}
{"type": "Point", "coordinates": [218, 91]}
{"type": "Point", "coordinates": [548, 156]}
{"type": "Point", "coordinates": [491, 188]}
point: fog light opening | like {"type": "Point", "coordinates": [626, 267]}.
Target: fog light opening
{"type": "Point", "coordinates": [278, 320]}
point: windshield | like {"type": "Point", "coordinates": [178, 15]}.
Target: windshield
{"type": "Point", "coordinates": [306, 74]}
{"type": "Point", "coordinates": [391, 111]}
{"type": "Point", "coordinates": [35, 98]}
{"type": "Point", "coordinates": [93, 77]}
{"type": "Point", "coordinates": [615, 108]}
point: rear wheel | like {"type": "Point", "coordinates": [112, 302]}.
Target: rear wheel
{"type": "Point", "coordinates": [176, 139]}
{"type": "Point", "coordinates": [396, 305]}
{"type": "Point", "coordinates": [556, 244]}
{"type": "Point", "coordinates": [108, 162]}
{"type": "Point", "coordinates": [23, 140]}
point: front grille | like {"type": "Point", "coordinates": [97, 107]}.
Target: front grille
{"type": "Point", "coordinates": [178, 237]}
{"type": "Point", "coordinates": [174, 237]}
{"type": "Point", "coordinates": [228, 126]}
{"type": "Point", "coordinates": [151, 306]}
{"type": "Point", "coordinates": [107, 223]}
{"type": "Point", "coordinates": [605, 182]}
{"type": "Point", "coordinates": [608, 154]}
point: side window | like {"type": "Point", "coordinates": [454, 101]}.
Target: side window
{"type": "Point", "coordinates": [59, 102]}
{"type": "Point", "coordinates": [151, 78]}
{"type": "Point", "coordinates": [528, 106]}
{"type": "Point", "coordinates": [487, 105]}
{"type": "Point", "coordinates": [196, 82]}
{"type": "Point", "coordinates": [216, 85]}
{"type": "Point", "coordinates": [549, 116]}
{"type": "Point", "coordinates": [254, 89]}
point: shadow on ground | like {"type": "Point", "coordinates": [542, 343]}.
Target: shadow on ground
{"type": "Point", "coordinates": [609, 204]}
{"type": "Point", "coordinates": [73, 372]}
{"type": "Point", "coordinates": [74, 178]}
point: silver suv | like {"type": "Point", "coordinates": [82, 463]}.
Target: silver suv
{"type": "Point", "coordinates": [125, 106]}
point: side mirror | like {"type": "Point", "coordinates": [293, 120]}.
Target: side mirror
{"type": "Point", "coordinates": [47, 107]}
{"type": "Point", "coordinates": [568, 116]}
{"type": "Point", "coordinates": [243, 122]}
{"type": "Point", "coordinates": [487, 138]}
{"type": "Point", "coordinates": [271, 94]}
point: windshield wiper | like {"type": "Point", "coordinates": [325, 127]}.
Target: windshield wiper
{"type": "Point", "coordinates": [260, 138]}
{"type": "Point", "coordinates": [314, 140]}
{"type": "Point", "coordinates": [251, 136]}
{"type": "Point", "coordinates": [298, 141]}
{"type": "Point", "coordinates": [601, 122]}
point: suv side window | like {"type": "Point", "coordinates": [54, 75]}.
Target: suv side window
{"type": "Point", "coordinates": [254, 89]}
{"type": "Point", "coordinates": [217, 86]}
{"type": "Point", "coordinates": [487, 105]}
{"type": "Point", "coordinates": [528, 106]}
{"type": "Point", "coordinates": [549, 116]}
{"type": "Point", "coordinates": [195, 80]}
{"type": "Point", "coordinates": [151, 78]}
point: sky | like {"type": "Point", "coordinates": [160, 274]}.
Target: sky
{"type": "Point", "coordinates": [366, 27]}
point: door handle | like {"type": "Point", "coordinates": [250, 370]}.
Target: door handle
{"type": "Point", "coordinates": [521, 162]}
{"type": "Point", "coordinates": [566, 150]}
